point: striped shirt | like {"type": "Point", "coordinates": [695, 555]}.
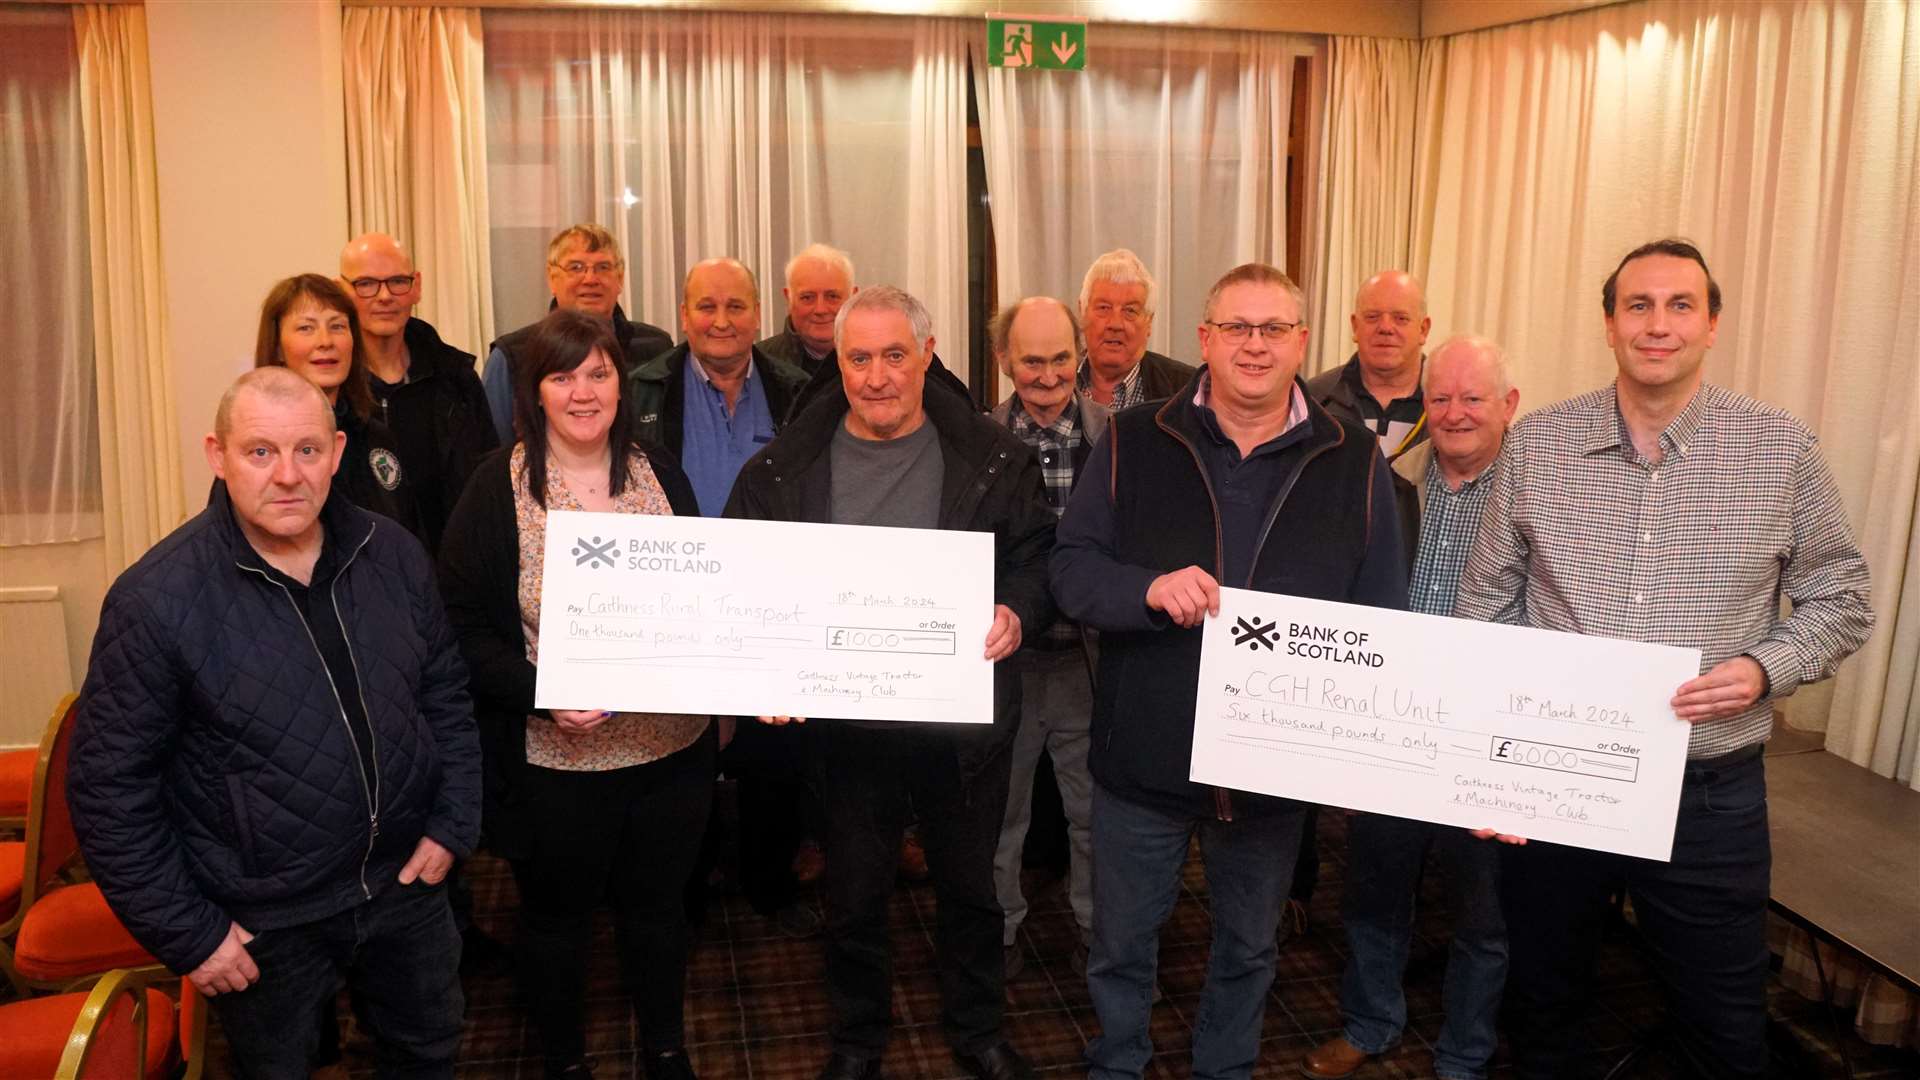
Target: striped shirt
{"type": "Point", "coordinates": [1448, 522]}
{"type": "Point", "coordinates": [1583, 534]}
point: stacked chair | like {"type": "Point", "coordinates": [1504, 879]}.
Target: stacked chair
{"type": "Point", "coordinates": [109, 1016]}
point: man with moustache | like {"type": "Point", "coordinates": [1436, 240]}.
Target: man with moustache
{"type": "Point", "coordinates": [1038, 344]}
{"type": "Point", "coordinates": [1117, 299]}
{"type": "Point", "coordinates": [1469, 402]}
{"type": "Point", "coordinates": [1669, 510]}
{"type": "Point", "coordinates": [1238, 479]}
{"type": "Point", "coordinates": [585, 273]}
{"type": "Point", "coordinates": [1379, 387]}
{"type": "Point", "coordinates": [819, 280]}
{"type": "Point", "coordinates": [424, 390]}
{"type": "Point", "coordinates": [887, 452]}
{"type": "Point", "coordinates": [274, 757]}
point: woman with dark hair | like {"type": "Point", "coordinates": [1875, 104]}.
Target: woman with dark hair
{"type": "Point", "coordinates": [308, 324]}
{"type": "Point", "coordinates": [590, 805]}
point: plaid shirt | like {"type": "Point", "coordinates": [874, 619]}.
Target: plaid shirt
{"type": "Point", "coordinates": [1131, 391]}
{"type": "Point", "coordinates": [1448, 522]}
{"type": "Point", "coordinates": [1583, 534]}
{"type": "Point", "coordinates": [1055, 444]}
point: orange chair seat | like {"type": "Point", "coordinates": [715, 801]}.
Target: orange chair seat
{"type": "Point", "coordinates": [13, 872]}
{"type": "Point", "coordinates": [16, 781]}
{"type": "Point", "coordinates": [33, 1034]}
{"type": "Point", "coordinates": [71, 932]}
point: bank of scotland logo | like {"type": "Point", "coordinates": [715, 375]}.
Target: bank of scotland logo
{"type": "Point", "coordinates": [1255, 635]}
{"type": "Point", "coordinates": [593, 554]}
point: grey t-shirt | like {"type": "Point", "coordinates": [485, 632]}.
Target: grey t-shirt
{"type": "Point", "coordinates": [895, 482]}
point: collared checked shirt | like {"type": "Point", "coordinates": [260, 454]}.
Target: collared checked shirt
{"type": "Point", "coordinates": [1448, 523]}
{"type": "Point", "coordinates": [1055, 444]}
{"type": "Point", "coordinates": [1583, 534]}
{"type": "Point", "coordinates": [1131, 391]}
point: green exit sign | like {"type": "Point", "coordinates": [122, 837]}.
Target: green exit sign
{"type": "Point", "coordinates": [1014, 41]}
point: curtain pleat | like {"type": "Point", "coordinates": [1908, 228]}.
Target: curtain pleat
{"type": "Point", "coordinates": [694, 135]}
{"type": "Point", "coordinates": [139, 455]}
{"type": "Point", "coordinates": [1172, 143]}
{"type": "Point", "coordinates": [416, 154]}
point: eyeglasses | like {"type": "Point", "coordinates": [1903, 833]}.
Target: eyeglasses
{"type": "Point", "coordinates": [369, 287]}
{"type": "Point", "coordinates": [1238, 331]}
{"type": "Point", "coordinates": [576, 268]}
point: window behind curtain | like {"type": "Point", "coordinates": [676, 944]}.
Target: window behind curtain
{"type": "Point", "coordinates": [49, 453]}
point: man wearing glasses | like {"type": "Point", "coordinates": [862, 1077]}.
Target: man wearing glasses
{"type": "Point", "coordinates": [585, 273]}
{"type": "Point", "coordinates": [1116, 308]}
{"type": "Point", "coordinates": [425, 390]}
{"type": "Point", "coordinates": [1238, 479]}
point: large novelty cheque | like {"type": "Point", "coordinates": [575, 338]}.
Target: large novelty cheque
{"type": "Point", "coordinates": [642, 613]}
{"type": "Point", "coordinates": [1550, 736]}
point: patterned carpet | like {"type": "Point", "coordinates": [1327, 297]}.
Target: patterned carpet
{"type": "Point", "coordinates": [755, 1009]}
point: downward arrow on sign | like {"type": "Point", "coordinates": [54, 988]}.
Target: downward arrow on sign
{"type": "Point", "coordinates": [1063, 50]}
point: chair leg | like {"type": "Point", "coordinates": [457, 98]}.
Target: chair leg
{"type": "Point", "coordinates": [19, 985]}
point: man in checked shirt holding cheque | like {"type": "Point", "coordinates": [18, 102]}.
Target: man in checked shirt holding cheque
{"type": "Point", "coordinates": [1668, 510]}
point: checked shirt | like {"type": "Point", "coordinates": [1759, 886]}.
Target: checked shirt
{"type": "Point", "coordinates": [1582, 534]}
{"type": "Point", "coordinates": [1054, 444]}
{"type": "Point", "coordinates": [1448, 523]}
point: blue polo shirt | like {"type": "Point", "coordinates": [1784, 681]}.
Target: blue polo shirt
{"type": "Point", "coordinates": [715, 442]}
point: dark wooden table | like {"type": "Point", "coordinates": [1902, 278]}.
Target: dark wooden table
{"type": "Point", "coordinates": [1846, 857]}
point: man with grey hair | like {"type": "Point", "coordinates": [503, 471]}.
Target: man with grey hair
{"type": "Point", "coordinates": [1379, 386]}
{"type": "Point", "coordinates": [1469, 401]}
{"type": "Point", "coordinates": [274, 758]}
{"type": "Point", "coordinates": [886, 452]}
{"type": "Point", "coordinates": [585, 272]}
{"type": "Point", "coordinates": [1037, 343]}
{"type": "Point", "coordinates": [819, 279]}
{"type": "Point", "coordinates": [1238, 479]}
{"type": "Point", "coordinates": [1117, 299]}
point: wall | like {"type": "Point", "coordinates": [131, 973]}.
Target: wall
{"type": "Point", "coordinates": [79, 571]}
{"type": "Point", "coordinates": [250, 143]}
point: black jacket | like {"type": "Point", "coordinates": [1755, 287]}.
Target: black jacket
{"type": "Point", "coordinates": [1338, 391]}
{"type": "Point", "coordinates": [480, 579]}
{"type": "Point", "coordinates": [372, 474]}
{"type": "Point", "coordinates": [1162, 376]}
{"type": "Point", "coordinates": [439, 422]}
{"type": "Point", "coordinates": [213, 775]}
{"type": "Point", "coordinates": [786, 346]}
{"type": "Point", "coordinates": [1147, 506]}
{"type": "Point", "coordinates": [991, 484]}
{"type": "Point", "coordinates": [657, 391]}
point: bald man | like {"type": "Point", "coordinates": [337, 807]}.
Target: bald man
{"type": "Point", "coordinates": [1379, 387]}
{"type": "Point", "coordinates": [424, 389]}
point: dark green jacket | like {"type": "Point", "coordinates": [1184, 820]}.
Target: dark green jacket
{"type": "Point", "coordinates": [657, 390]}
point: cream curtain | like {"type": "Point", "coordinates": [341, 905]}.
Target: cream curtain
{"type": "Point", "coordinates": [1365, 196]}
{"type": "Point", "coordinates": [49, 452]}
{"type": "Point", "coordinates": [416, 154]}
{"type": "Point", "coordinates": [1785, 139]}
{"type": "Point", "coordinates": [1173, 143]}
{"type": "Point", "coordinates": [139, 456]}
{"type": "Point", "coordinates": [694, 135]}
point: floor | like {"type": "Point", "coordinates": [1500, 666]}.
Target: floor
{"type": "Point", "coordinates": [755, 1008]}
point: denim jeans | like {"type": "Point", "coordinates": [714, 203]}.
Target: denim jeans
{"type": "Point", "coordinates": [401, 958]}
{"type": "Point", "coordinates": [1384, 856]}
{"type": "Point", "coordinates": [1137, 854]}
{"type": "Point", "coordinates": [1056, 708]}
{"type": "Point", "coordinates": [1702, 916]}
{"type": "Point", "coordinates": [872, 782]}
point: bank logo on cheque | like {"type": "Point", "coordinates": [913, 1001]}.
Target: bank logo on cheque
{"type": "Point", "coordinates": [1255, 635]}
{"type": "Point", "coordinates": [593, 554]}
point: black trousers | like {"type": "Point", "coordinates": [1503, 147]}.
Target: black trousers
{"type": "Point", "coordinates": [1702, 916]}
{"type": "Point", "coordinates": [626, 835]}
{"type": "Point", "coordinates": [872, 782]}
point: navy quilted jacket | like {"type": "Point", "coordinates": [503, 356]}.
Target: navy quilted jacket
{"type": "Point", "coordinates": [213, 776]}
